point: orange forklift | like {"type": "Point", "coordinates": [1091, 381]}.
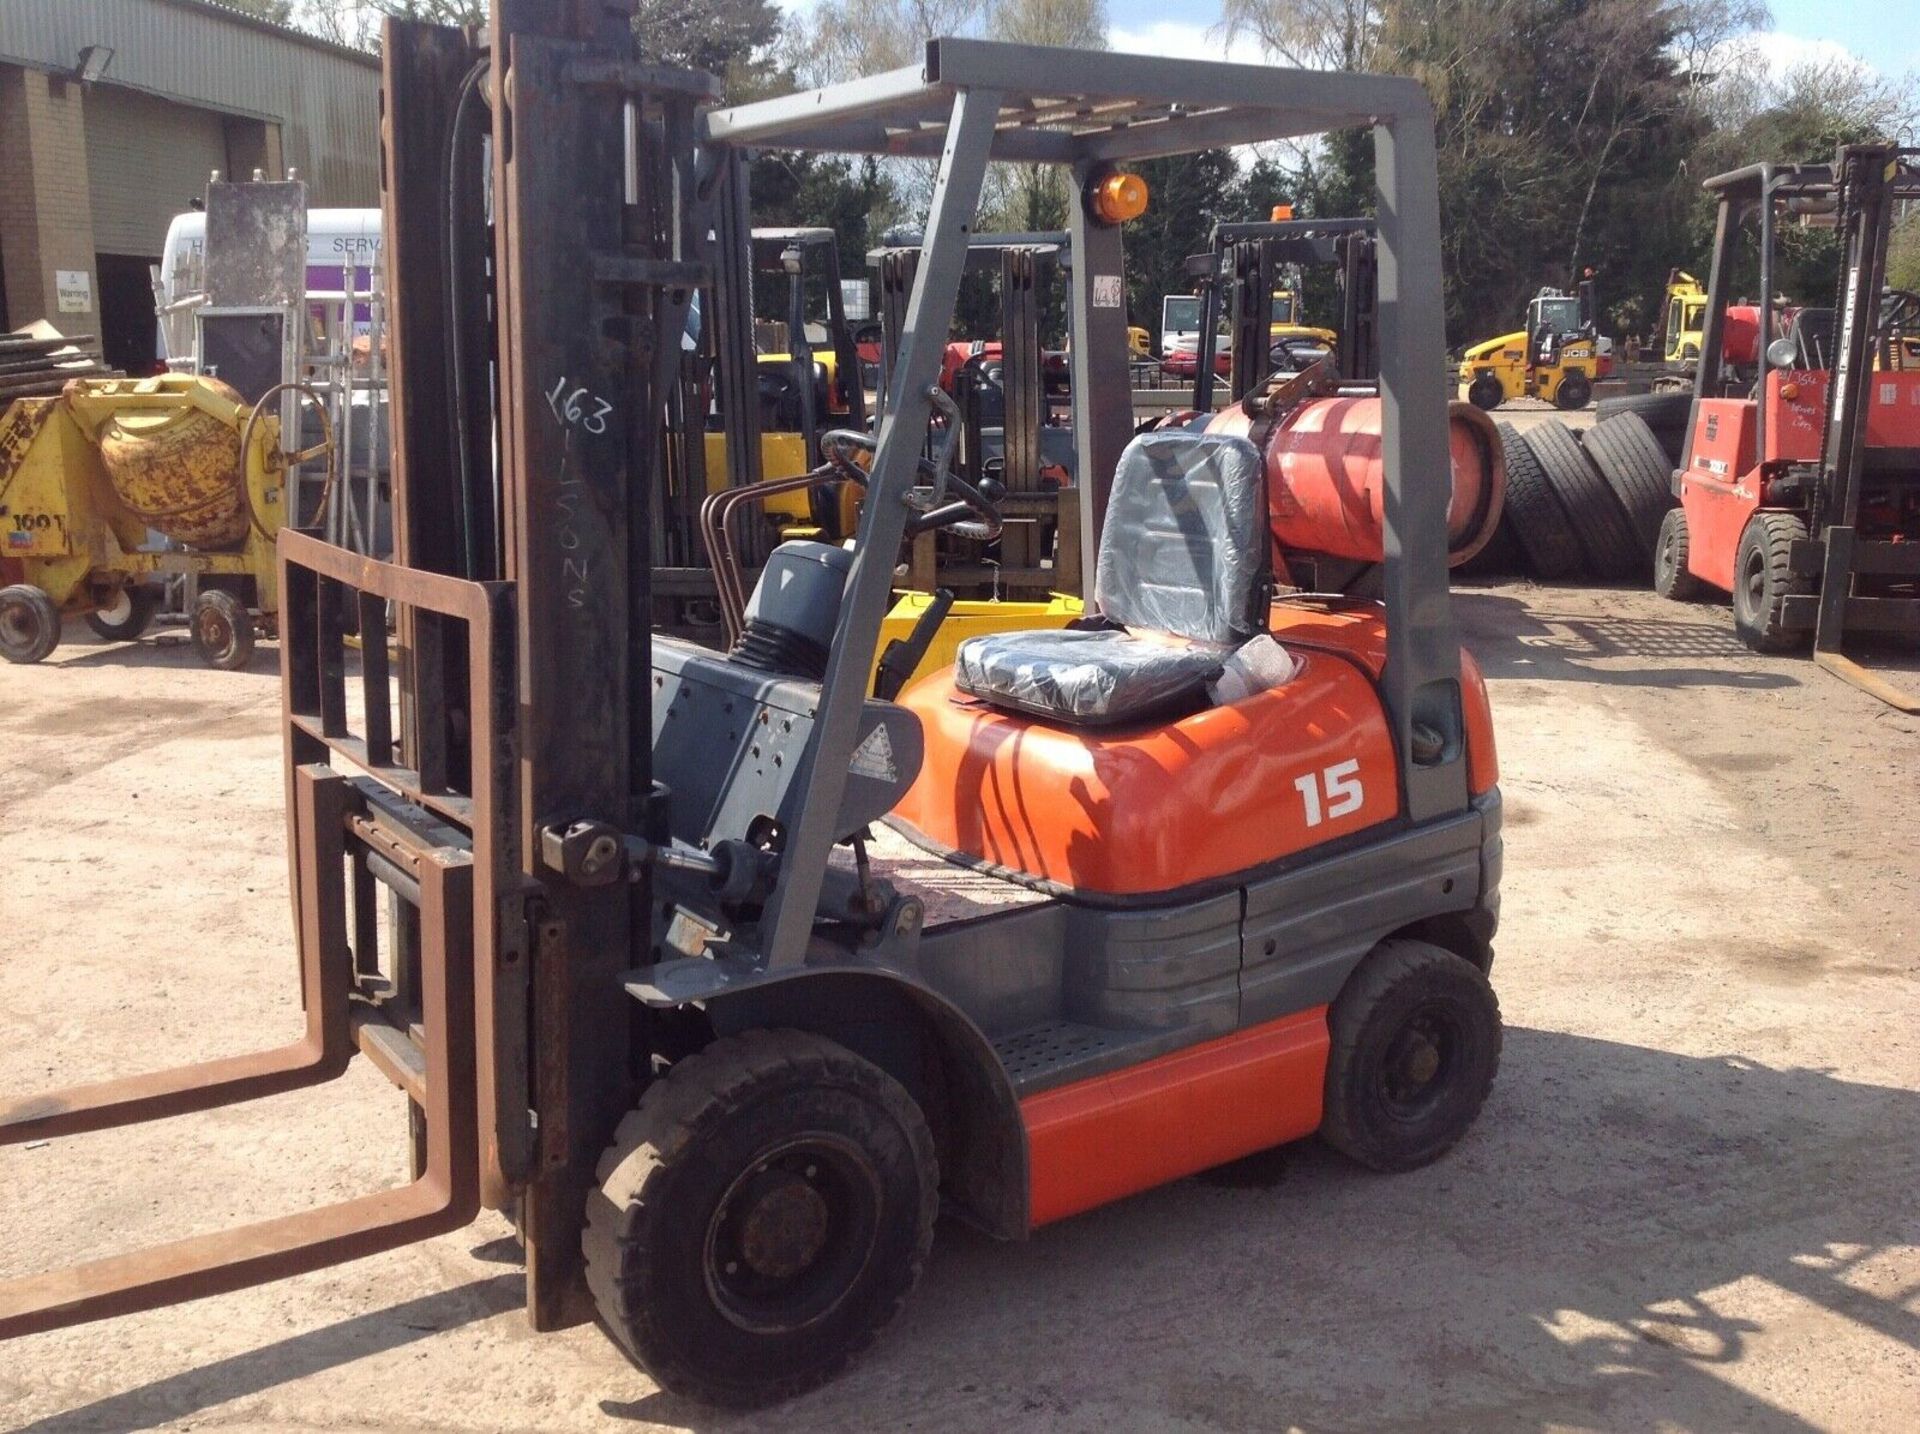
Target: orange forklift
{"type": "Point", "coordinates": [724, 972]}
{"type": "Point", "coordinates": [1800, 493]}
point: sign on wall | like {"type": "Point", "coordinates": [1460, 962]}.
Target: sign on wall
{"type": "Point", "coordinates": [73, 289]}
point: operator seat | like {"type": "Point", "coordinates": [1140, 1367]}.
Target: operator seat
{"type": "Point", "coordinates": [1813, 336]}
{"type": "Point", "coordinates": [1183, 577]}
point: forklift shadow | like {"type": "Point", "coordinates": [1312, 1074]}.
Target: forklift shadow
{"type": "Point", "coordinates": [1510, 639]}
{"type": "Point", "coordinates": [181, 1396]}
{"type": "Point", "coordinates": [1593, 1255]}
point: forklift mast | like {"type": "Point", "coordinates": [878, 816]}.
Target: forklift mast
{"type": "Point", "coordinates": [1843, 372]}
{"type": "Point", "coordinates": [1009, 392]}
{"type": "Point", "coordinates": [1248, 262]}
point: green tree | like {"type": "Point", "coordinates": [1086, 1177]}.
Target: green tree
{"type": "Point", "coordinates": [734, 39]}
{"type": "Point", "coordinates": [1903, 255]}
{"type": "Point", "coordinates": [1562, 126]}
{"type": "Point", "coordinates": [1186, 195]}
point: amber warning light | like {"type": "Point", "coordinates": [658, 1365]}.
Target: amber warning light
{"type": "Point", "coordinates": [1120, 197]}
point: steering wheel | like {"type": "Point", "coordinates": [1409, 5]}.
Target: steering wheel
{"type": "Point", "coordinates": [970, 513]}
{"type": "Point", "coordinates": [1899, 309]}
{"type": "Point", "coordinates": [281, 460]}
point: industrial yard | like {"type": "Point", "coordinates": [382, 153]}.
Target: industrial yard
{"type": "Point", "coordinates": [876, 715]}
{"type": "Point", "coordinates": [1688, 1204]}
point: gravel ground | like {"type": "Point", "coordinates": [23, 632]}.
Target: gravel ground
{"type": "Point", "coordinates": [1688, 1206]}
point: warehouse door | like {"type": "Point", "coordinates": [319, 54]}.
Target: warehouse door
{"type": "Point", "coordinates": [147, 160]}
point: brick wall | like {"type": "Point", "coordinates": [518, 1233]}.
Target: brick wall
{"type": "Point", "coordinates": [46, 219]}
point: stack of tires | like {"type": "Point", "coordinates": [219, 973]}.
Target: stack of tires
{"type": "Point", "coordinates": [1588, 504]}
{"type": "Point", "coordinates": [1666, 413]}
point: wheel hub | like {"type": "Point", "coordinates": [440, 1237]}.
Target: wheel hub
{"type": "Point", "coordinates": [1417, 1065]}
{"type": "Point", "coordinates": [790, 1238]}
{"type": "Point", "coordinates": [119, 609]}
{"type": "Point", "coordinates": [784, 1226]}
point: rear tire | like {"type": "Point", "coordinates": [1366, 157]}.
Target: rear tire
{"type": "Point", "coordinates": [128, 616]}
{"type": "Point", "coordinates": [1539, 523]}
{"type": "Point", "coordinates": [1599, 522]}
{"type": "Point", "coordinates": [1670, 576]}
{"type": "Point", "coordinates": [1575, 391]}
{"type": "Point", "coordinates": [1486, 392]}
{"type": "Point", "coordinates": [1762, 582]}
{"type": "Point", "coordinates": [222, 631]}
{"type": "Point", "coordinates": [1414, 1044]}
{"type": "Point", "coordinates": [1635, 466]}
{"type": "Point", "coordinates": [29, 623]}
{"type": "Point", "coordinates": [761, 1216]}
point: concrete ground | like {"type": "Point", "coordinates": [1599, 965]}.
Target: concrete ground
{"type": "Point", "coordinates": [1689, 1204]}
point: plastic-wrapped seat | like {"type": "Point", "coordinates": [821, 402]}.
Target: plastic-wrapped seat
{"type": "Point", "coordinates": [1182, 579]}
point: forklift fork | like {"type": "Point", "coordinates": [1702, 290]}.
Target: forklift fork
{"type": "Point", "coordinates": [422, 1022]}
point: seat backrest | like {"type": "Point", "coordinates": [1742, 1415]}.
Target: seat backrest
{"type": "Point", "coordinates": [1813, 336]}
{"type": "Point", "coordinates": [1185, 547]}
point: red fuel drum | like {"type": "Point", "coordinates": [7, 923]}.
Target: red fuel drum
{"type": "Point", "coordinates": [1326, 485]}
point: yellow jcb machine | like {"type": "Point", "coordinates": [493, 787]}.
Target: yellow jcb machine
{"type": "Point", "coordinates": [118, 483]}
{"type": "Point", "coordinates": [1556, 357]}
{"type": "Point", "coordinates": [1681, 322]}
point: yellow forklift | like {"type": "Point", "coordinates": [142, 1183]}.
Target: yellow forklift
{"type": "Point", "coordinates": [724, 973]}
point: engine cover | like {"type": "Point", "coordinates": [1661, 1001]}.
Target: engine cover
{"type": "Point", "coordinates": [728, 739]}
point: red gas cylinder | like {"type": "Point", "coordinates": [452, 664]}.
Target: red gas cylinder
{"type": "Point", "coordinates": [1741, 343]}
{"type": "Point", "coordinates": [1326, 484]}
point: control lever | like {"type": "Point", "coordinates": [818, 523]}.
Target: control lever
{"type": "Point", "coordinates": [903, 654]}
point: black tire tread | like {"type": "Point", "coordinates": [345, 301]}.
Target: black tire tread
{"type": "Point", "coordinates": [1681, 585]}
{"type": "Point", "coordinates": [1391, 962]}
{"type": "Point", "coordinates": [1538, 522]}
{"type": "Point", "coordinates": [1782, 530]}
{"type": "Point", "coordinates": [1665, 414]}
{"type": "Point", "coordinates": [1598, 520]}
{"type": "Point", "coordinates": [47, 615]}
{"type": "Point", "coordinates": [1635, 466]}
{"type": "Point", "coordinates": [673, 1114]}
{"type": "Point", "coordinates": [238, 619]}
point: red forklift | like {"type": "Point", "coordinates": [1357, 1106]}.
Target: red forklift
{"type": "Point", "coordinates": [723, 973]}
{"type": "Point", "coordinates": [1800, 492]}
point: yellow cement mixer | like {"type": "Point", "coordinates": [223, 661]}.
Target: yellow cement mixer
{"type": "Point", "coordinates": [85, 480]}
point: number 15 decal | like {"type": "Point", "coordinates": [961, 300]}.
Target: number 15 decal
{"type": "Point", "coordinates": [1332, 793]}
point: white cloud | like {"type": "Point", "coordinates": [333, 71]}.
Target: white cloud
{"type": "Point", "coordinates": [1184, 40]}
{"type": "Point", "coordinates": [1782, 52]}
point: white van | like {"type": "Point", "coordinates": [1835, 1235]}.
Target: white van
{"type": "Point", "coordinates": [336, 238]}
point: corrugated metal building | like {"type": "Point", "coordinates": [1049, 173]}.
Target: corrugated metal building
{"type": "Point", "coordinates": [113, 113]}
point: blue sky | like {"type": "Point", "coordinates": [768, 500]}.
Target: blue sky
{"type": "Point", "coordinates": [1883, 33]}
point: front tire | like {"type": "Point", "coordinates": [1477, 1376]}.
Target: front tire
{"type": "Point", "coordinates": [1763, 580]}
{"type": "Point", "coordinates": [1414, 1043]}
{"type": "Point", "coordinates": [29, 623]}
{"type": "Point", "coordinates": [761, 1216]}
{"type": "Point", "coordinates": [1486, 392]}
